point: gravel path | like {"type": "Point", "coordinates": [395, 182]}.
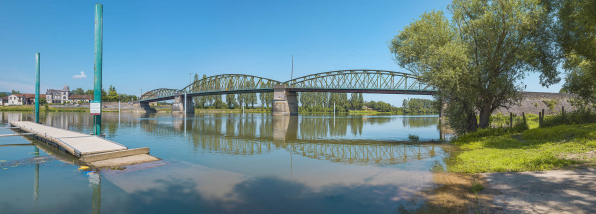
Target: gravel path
{"type": "Point", "coordinates": [557, 191]}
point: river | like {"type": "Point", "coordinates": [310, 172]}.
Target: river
{"type": "Point", "coordinates": [228, 163]}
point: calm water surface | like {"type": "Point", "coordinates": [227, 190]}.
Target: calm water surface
{"type": "Point", "coordinates": [227, 163]}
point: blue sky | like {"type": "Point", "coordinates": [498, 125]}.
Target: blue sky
{"type": "Point", "coordinates": [155, 44]}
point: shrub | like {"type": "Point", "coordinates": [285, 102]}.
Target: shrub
{"type": "Point", "coordinates": [550, 103]}
{"type": "Point", "coordinates": [580, 116]}
{"type": "Point", "coordinates": [413, 137]}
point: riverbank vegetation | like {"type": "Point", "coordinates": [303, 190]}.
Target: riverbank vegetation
{"type": "Point", "coordinates": [564, 140]}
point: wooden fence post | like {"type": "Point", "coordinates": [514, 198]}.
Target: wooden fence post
{"type": "Point", "coordinates": [539, 119]}
{"type": "Point", "coordinates": [524, 116]}
{"type": "Point", "coordinates": [510, 120]}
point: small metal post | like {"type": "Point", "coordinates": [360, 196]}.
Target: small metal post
{"type": "Point", "coordinates": [37, 58]}
{"type": "Point", "coordinates": [118, 106]}
{"type": "Point", "coordinates": [333, 109]}
{"type": "Point", "coordinates": [243, 109]}
{"type": "Point", "coordinates": [185, 105]}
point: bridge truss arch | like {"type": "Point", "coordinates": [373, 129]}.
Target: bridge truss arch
{"type": "Point", "coordinates": [346, 81]}
{"type": "Point", "coordinates": [363, 81]}
{"type": "Point", "coordinates": [218, 84]}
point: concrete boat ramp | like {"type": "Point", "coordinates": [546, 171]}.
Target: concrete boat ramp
{"type": "Point", "coordinates": [94, 151]}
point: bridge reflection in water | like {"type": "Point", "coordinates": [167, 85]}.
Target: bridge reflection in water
{"type": "Point", "coordinates": [317, 137]}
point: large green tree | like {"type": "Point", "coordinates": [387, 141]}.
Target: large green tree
{"type": "Point", "coordinates": [478, 58]}
{"type": "Point", "coordinates": [576, 35]}
{"type": "Point", "coordinates": [78, 91]}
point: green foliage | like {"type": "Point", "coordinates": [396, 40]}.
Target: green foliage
{"type": "Point", "coordinates": [550, 103]}
{"type": "Point", "coordinates": [576, 35]}
{"type": "Point", "coordinates": [46, 106]}
{"type": "Point", "coordinates": [196, 99]}
{"type": "Point", "coordinates": [535, 150]}
{"type": "Point", "coordinates": [416, 105]}
{"type": "Point", "coordinates": [414, 138]}
{"type": "Point", "coordinates": [476, 187]}
{"type": "Point", "coordinates": [580, 116]}
{"type": "Point", "coordinates": [231, 101]}
{"type": "Point", "coordinates": [476, 59]}
{"type": "Point", "coordinates": [78, 91]}
{"type": "Point", "coordinates": [218, 103]}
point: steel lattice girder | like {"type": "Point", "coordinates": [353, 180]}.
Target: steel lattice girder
{"type": "Point", "coordinates": [349, 81]}
{"type": "Point", "coordinates": [218, 84]}
{"type": "Point", "coordinates": [360, 80]}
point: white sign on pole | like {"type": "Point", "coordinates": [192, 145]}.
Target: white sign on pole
{"type": "Point", "coordinates": [95, 108]}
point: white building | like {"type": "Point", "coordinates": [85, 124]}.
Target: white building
{"type": "Point", "coordinates": [58, 96]}
{"type": "Point", "coordinates": [80, 98]}
{"type": "Point", "coordinates": [15, 99]}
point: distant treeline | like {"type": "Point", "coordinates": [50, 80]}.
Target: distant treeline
{"type": "Point", "coordinates": [320, 102]}
{"type": "Point", "coordinates": [324, 101]}
{"type": "Point", "coordinates": [110, 96]}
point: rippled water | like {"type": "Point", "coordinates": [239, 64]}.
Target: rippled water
{"type": "Point", "coordinates": [227, 163]}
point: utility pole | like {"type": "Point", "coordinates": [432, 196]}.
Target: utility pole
{"type": "Point", "coordinates": [292, 75]}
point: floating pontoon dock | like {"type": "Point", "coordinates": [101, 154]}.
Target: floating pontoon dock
{"type": "Point", "coordinates": [95, 151]}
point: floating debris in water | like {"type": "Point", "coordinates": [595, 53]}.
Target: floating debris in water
{"type": "Point", "coordinates": [83, 167]}
{"type": "Point", "coordinates": [2, 161]}
{"type": "Point", "coordinates": [33, 153]}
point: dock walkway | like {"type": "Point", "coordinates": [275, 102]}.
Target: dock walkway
{"type": "Point", "coordinates": [94, 150]}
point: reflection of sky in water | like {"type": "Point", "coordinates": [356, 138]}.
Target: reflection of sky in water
{"type": "Point", "coordinates": [226, 163]}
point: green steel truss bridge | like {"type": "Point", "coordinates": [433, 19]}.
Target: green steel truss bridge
{"type": "Point", "coordinates": [343, 81]}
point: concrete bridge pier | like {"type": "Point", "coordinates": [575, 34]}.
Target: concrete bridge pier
{"type": "Point", "coordinates": [178, 105]}
{"type": "Point", "coordinates": [285, 128]}
{"type": "Point", "coordinates": [147, 107]}
{"type": "Point", "coordinates": [284, 102]}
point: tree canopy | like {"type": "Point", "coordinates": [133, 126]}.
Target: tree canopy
{"type": "Point", "coordinates": [576, 35]}
{"type": "Point", "coordinates": [479, 57]}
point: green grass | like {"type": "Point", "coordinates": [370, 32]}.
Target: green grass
{"type": "Point", "coordinates": [533, 150]}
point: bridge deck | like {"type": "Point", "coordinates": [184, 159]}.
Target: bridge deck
{"type": "Point", "coordinates": [76, 143]}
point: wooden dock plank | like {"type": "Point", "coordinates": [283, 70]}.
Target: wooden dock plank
{"type": "Point", "coordinates": [74, 142]}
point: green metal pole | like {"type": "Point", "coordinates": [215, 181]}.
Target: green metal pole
{"type": "Point", "coordinates": [37, 87]}
{"type": "Point", "coordinates": [98, 56]}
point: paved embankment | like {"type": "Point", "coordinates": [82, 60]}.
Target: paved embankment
{"type": "Point", "coordinates": [557, 191]}
{"type": "Point", "coordinates": [534, 102]}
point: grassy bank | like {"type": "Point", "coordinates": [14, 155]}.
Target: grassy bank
{"type": "Point", "coordinates": [532, 150]}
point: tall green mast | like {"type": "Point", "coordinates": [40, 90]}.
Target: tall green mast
{"type": "Point", "coordinates": [98, 56]}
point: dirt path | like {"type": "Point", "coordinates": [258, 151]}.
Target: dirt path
{"type": "Point", "coordinates": [557, 191]}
